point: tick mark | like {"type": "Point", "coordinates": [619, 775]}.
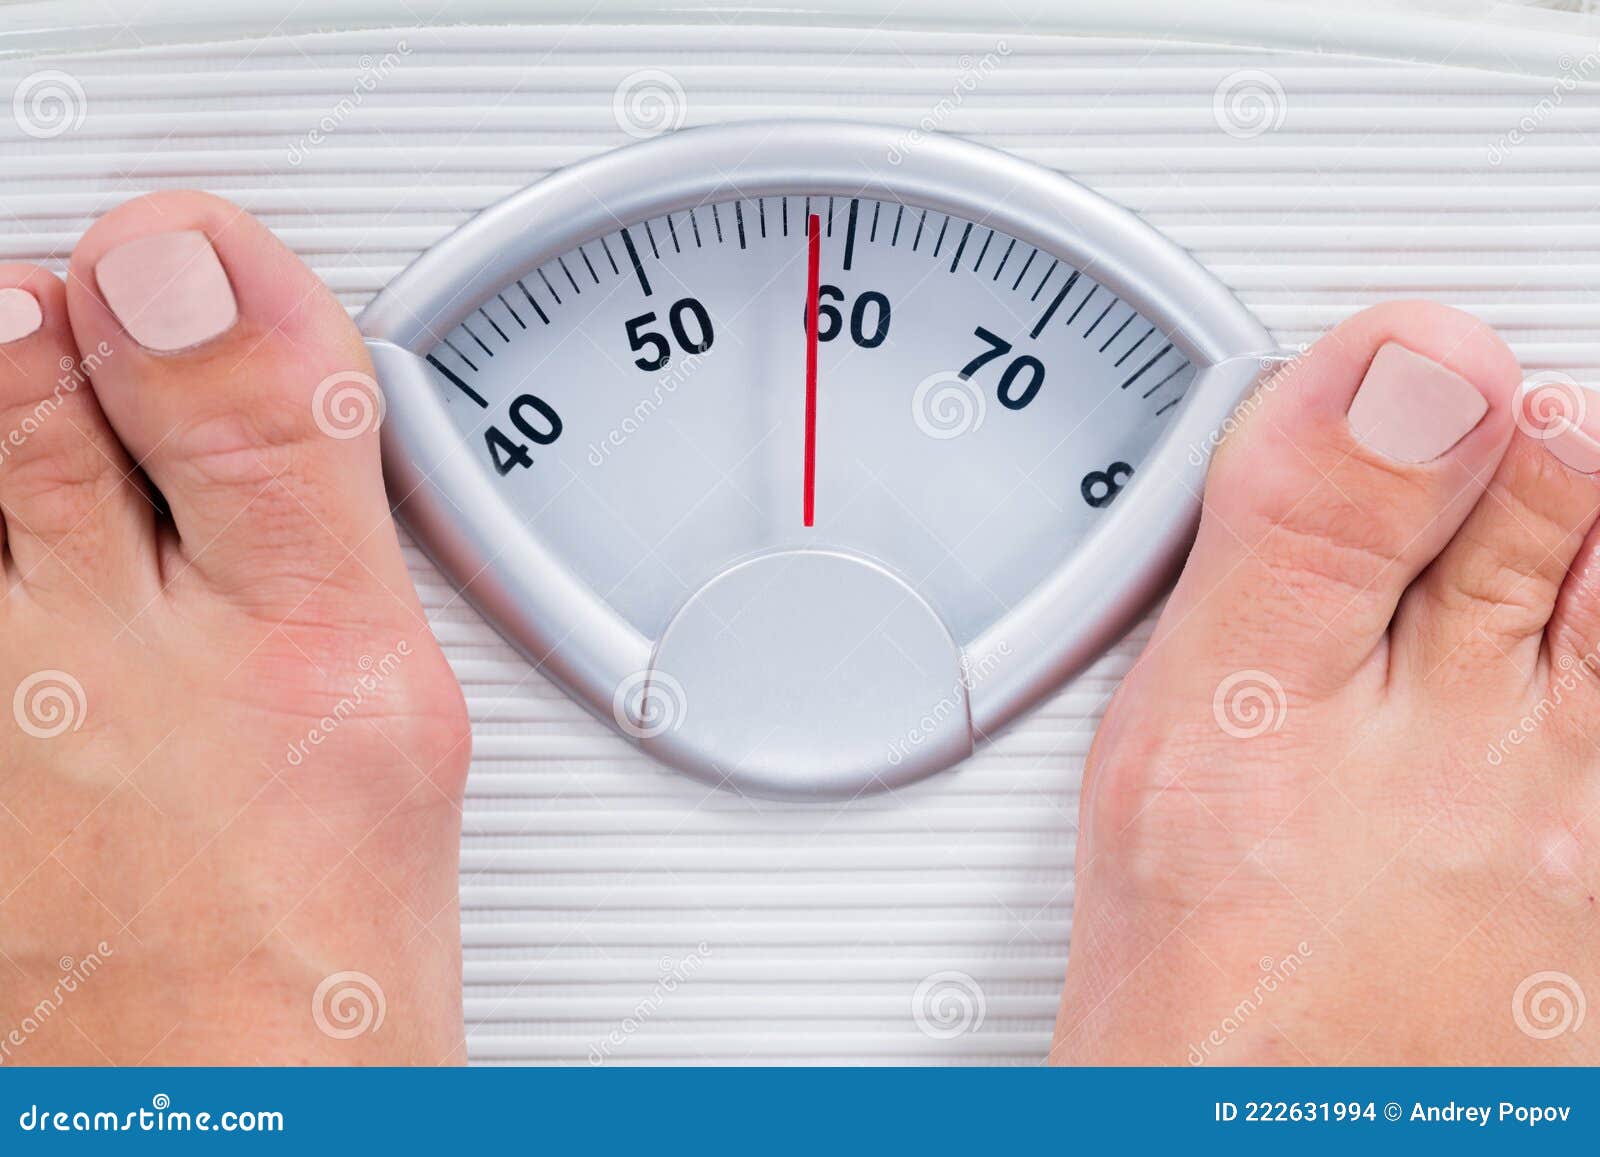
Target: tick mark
{"type": "Point", "coordinates": [960, 246]}
{"type": "Point", "coordinates": [455, 349]}
{"type": "Point", "coordinates": [1004, 257]}
{"type": "Point", "coordinates": [1049, 312]}
{"type": "Point", "coordinates": [535, 304]}
{"type": "Point", "coordinates": [455, 381]}
{"type": "Point", "coordinates": [638, 268]}
{"type": "Point", "coordinates": [548, 286]}
{"type": "Point", "coordinates": [982, 253]}
{"type": "Point", "coordinates": [1047, 274]}
{"type": "Point", "coordinates": [514, 315]}
{"type": "Point", "coordinates": [1129, 352]}
{"type": "Point", "coordinates": [1165, 380]}
{"type": "Point", "coordinates": [1093, 289]}
{"type": "Point", "coordinates": [477, 339]}
{"type": "Point", "coordinates": [573, 281]}
{"type": "Point", "coordinates": [1112, 305]}
{"type": "Point", "coordinates": [588, 265]}
{"type": "Point", "coordinates": [496, 325]}
{"type": "Point", "coordinates": [1126, 322]}
{"type": "Point", "coordinates": [850, 234]}
{"type": "Point", "coordinates": [1023, 272]}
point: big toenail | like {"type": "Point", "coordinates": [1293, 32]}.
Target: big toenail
{"type": "Point", "coordinates": [168, 290]}
{"type": "Point", "coordinates": [19, 315]}
{"type": "Point", "coordinates": [1411, 408]}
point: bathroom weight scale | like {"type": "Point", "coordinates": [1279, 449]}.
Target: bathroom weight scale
{"type": "Point", "coordinates": [807, 455]}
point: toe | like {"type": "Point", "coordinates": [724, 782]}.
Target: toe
{"type": "Point", "coordinates": [245, 392]}
{"type": "Point", "coordinates": [1484, 605]}
{"type": "Point", "coordinates": [77, 518]}
{"type": "Point", "coordinates": [1572, 637]}
{"type": "Point", "coordinates": [1350, 471]}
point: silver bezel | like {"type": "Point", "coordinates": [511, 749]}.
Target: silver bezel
{"type": "Point", "coordinates": [451, 509]}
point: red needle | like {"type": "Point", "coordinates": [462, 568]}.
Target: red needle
{"type": "Point", "coordinates": [813, 261]}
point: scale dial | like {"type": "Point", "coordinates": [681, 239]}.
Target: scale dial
{"type": "Point", "coordinates": [800, 467]}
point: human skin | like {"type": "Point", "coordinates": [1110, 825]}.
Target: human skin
{"type": "Point", "coordinates": [1343, 810]}
{"type": "Point", "coordinates": [232, 779]}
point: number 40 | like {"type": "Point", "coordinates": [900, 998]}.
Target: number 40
{"type": "Point", "coordinates": [506, 453]}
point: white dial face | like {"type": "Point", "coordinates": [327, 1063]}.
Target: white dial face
{"type": "Point", "coordinates": [642, 401]}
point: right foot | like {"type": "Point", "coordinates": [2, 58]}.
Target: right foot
{"type": "Point", "coordinates": [230, 797]}
{"type": "Point", "coordinates": [1346, 807]}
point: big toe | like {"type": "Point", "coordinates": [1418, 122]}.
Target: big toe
{"type": "Point", "coordinates": [1351, 469]}
{"type": "Point", "coordinates": [240, 385]}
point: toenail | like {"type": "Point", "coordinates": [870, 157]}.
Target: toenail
{"type": "Point", "coordinates": [1575, 448]}
{"type": "Point", "coordinates": [19, 315]}
{"type": "Point", "coordinates": [1555, 409]}
{"type": "Point", "coordinates": [168, 290]}
{"type": "Point", "coordinates": [1411, 408]}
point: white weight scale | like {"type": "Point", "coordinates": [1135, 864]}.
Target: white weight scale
{"type": "Point", "coordinates": [1437, 154]}
{"type": "Point", "coordinates": [803, 457]}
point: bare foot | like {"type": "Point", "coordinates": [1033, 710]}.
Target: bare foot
{"type": "Point", "coordinates": [1346, 807]}
{"type": "Point", "coordinates": [231, 785]}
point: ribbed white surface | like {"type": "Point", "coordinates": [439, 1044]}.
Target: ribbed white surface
{"type": "Point", "coordinates": [585, 866]}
